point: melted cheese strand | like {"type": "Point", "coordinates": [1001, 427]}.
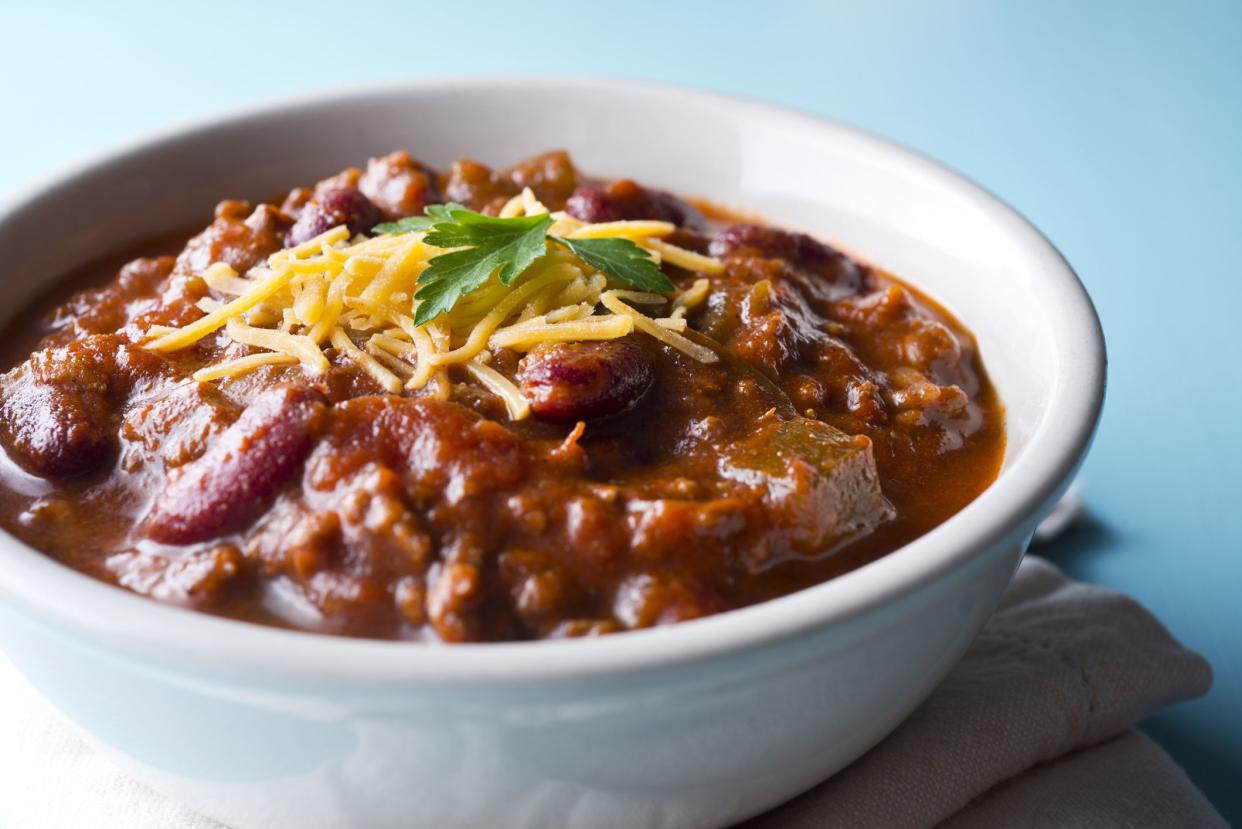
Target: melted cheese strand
{"type": "Point", "coordinates": [631, 229]}
{"type": "Point", "coordinates": [198, 329]}
{"type": "Point", "coordinates": [341, 341]}
{"type": "Point", "coordinates": [242, 365]}
{"type": "Point", "coordinates": [394, 346]}
{"type": "Point", "coordinates": [222, 279]}
{"type": "Point", "coordinates": [331, 311]}
{"type": "Point", "coordinates": [499, 385]}
{"type": "Point", "coordinates": [683, 258]}
{"type": "Point", "coordinates": [640, 297]}
{"type": "Point", "coordinates": [302, 348]}
{"type": "Point", "coordinates": [525, 337]}
{"type": "Point", "coordinates": [312, 296]}
{"type": "Point", "coordinates": [483, 330]}
{"type": "Point", "coordinates": [690, 299]}
{"type": "Point", "coordinates": [403, 266]}
{"type": "Point", "coordinates": [398, 366]}
{"type": "Point", "coordinates": [671, 323]}
{"type": "Point", "coordinates": [309, 304]}
{"type": "Point", "coordinates": [648, 326]}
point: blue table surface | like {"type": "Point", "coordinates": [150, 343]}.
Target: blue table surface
{"type": "Point", "coordinates": [1115, 126]}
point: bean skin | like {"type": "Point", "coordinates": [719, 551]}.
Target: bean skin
{"type": "Point", "coordinates": [59, 409]}
{"type": "Point", "coordinates": [56, 432]}
{"type": "Point", "coordinates": [234, 481]}
{"type": "Point", "coordinates": [625, 199]}
{"type": "Point", "coordinates": [772, 242]}
{"type": "Point", "coordinates": [342, 206]}
{"type": "Point", "coordinates": [823, 271]}
{"type": "Point", "coordinates": [581, 381]}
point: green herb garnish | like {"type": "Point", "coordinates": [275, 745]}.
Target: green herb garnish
{"type": "Point", "coordinates": [413, 224]}
{"type": "Point", "coordinates": [621, 259]}
{"type": "Point", "coordinates": [484, 245]}
{"type": "Point", "coordinates": [505, 247]}
{"type": "Point", "coordinates": [410, 224]}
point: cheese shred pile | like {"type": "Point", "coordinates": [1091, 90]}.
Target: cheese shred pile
{"type": "Point", "coordinates": [356, 296]}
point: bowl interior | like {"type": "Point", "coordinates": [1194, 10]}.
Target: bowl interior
{"type": "Point", "coordinates": [1036, 329]}
{"type": "Point", "coordinates": [900, 216]}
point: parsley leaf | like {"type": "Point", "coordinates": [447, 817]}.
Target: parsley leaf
{"type": "Point", "coordinates": [444, 212]}
{"type": "Point", "coordinates": [410, 224]}
{"type": "Point", "coordinates": [621, 259]}
{"type": "Point", "coordinates": [436, 213]}
{"type": "Point", "coordinates": [505, 247]}
{"type": "Point", "coordinates": [479, 246]}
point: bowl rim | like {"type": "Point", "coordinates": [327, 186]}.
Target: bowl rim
{"type": "Point", "coordinates": [137, 625]}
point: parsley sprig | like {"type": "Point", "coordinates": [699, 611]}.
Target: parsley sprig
{"type": "Point", "coordinates": [484, 245]}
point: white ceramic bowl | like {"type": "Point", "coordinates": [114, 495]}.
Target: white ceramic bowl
{"type": "Point", "coordinates": [696, 725]}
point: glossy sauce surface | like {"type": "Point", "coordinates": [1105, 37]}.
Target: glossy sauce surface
{"type": "Point", "coordinates": [648, 489]}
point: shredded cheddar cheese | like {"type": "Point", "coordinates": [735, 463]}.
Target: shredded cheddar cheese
{"type": "Point", "coordinates": [356, 298]}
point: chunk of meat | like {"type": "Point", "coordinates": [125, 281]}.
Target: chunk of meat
{"type": "Point", "coordinates": [234, 237]}
{"type": "Point", "coordinates": [477, 187]}
{"type": "Point", "coordinates": [646, 599]}
{"type": "Point", "coordinates": [361, 557]}
{"type": "Point", "coordinates": [176, 425]}
{"type": "Point", "coordinates": [551, 176]}
{"type": "Point", "coordinates": [108, 309]}
{"type": "Point", "coordinates": [399, 185]}
{"type": "Point", "coordinates": [234, 481]}
{"type": "Point", "coordinates": [297, 198]}
{"type": "Point", "coordinates": [820, 484]}
{"type": "Point", "coordinates": [625, 199]}
{"type": "Point", "coordinates": [442, 450]}
{"type": "Point", "coordinates": [581, 381]}
{"type": "Point", "coordinates": [295, 202]}
{"type": "Point", "coordinates": [342, 206]}
{"type": "Point", "coordinates": [777, 326]}
{"type": "Point", "coordinates": [198, 578]}
{"type": "Point", "coordinates": [664, 528]}
{"type": "Point", "coordinates": [540, 589]}
{"type": "Point", "coordinates": [346, 179]}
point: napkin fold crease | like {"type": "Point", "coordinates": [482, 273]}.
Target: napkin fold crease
{"type": "Point", "coordinates": [1060, 667]}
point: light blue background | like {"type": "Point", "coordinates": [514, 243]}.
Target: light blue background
{"type": "Point", "coordinates": [1115, 126]}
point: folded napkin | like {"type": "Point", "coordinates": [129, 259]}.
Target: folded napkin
{"type": "Point", "coordinates": [1034, 728]}
{"type": "Point", "coordinates": [1016, 734]}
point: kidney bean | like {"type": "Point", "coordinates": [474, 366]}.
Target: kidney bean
{"type": "Point", "coordinates": [824, 271]}
{"type": "Point", "coordinates": [342, 206]}
{"type": "Point", "coordinates": [237, 477]}
{"type": "Point", "coordinates": [771, 241]}
{"type": "Point", "coordinates": [59, 409]}
{"type": "Point", "coordinates": [580, 381]}
{"type": "Point", "coordinates": [56, 432]}
{"type": "Point", "coordinates": [624, 199]}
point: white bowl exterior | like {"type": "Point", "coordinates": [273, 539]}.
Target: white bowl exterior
{"type": "Point", "coordinates": [697, 745]}
{"type": "Point", "coordinates": [699, 725]}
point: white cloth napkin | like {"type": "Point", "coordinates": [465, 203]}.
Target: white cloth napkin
{"type": "Point", "coordinates": [1032, 729]}
{"type": "Point", "coordinates": [1006, 740]}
